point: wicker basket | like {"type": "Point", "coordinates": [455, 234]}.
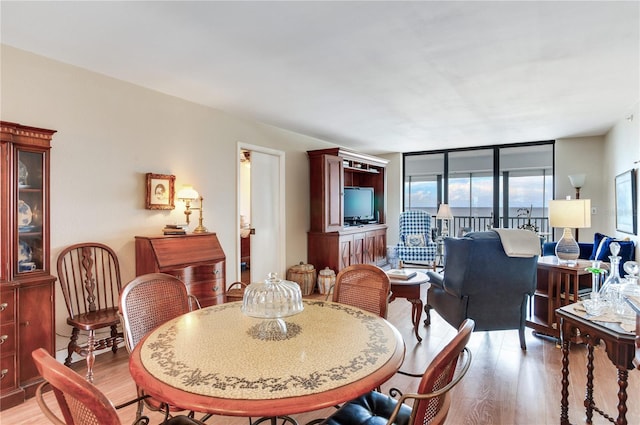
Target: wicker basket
{"type": "Point", "coordinates": [304, 275]}
{"type": "Point", "coordinates": [326, 279]}
{"type": "Point", "coordinates": [236, 291]}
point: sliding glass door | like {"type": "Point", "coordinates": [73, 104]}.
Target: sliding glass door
{"type": "Point", "coordinates": [500, 186]}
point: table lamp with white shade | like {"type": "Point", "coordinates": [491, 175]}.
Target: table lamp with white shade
{"type": "Point", "coordinates": [569, 214]}
{"type": "Point", "coordinates": [188, 194]}
{"type": "Point", "coordinates": [444, 214]}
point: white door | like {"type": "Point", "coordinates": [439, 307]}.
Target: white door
{"type": "Point", "coordinates": [267, 213]}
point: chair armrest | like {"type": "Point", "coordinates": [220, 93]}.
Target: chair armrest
{"type": "Point", "coordinates": [193, 301]}
{"type": "Point", "coordinates": [435, 278]}
{"type": "Point", "coordinates": [43, 406]}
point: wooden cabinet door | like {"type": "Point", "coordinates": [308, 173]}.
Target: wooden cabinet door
{"type": "Point", "coordinates": [357, 252]}
{"type": "Point", "coordinates": [369, 251]}
{"type": "Point", "coordinates": [333, 196]}
{"type": "Point", "coordinates": [346, 251]}
{"type": "Point", "coordinates": [380, 254]}
{"type": "Point", "coordinates": [35, 328]}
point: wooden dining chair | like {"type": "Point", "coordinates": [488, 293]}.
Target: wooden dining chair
{"type": "Point", "coordinates": [431, 402]}
{"type": "Point", "coordinates": [89, 276]}
{"type": "Point", "coordinates": [147, 302]}
{"type": "Point", "coordinates": [81, 402]}
{"type": "Point", "coordinates": [364, 286]}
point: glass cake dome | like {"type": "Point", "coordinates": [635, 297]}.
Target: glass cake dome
{"type": "Point", "coordinates": [272, 298]}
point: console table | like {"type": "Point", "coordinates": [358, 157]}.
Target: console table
{"type": "Point", "coordinates": [558, 285]}
{"type": "Point", "coordinates": [620, 348]}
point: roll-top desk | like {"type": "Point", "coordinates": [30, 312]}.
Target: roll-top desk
{"type": "Point", "coordinates": [196, 259]}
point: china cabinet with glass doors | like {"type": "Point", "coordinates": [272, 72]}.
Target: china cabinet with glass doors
{"type": "Point", "coordinates": [26, 284]}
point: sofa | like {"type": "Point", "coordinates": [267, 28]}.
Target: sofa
{"type": "Point", "coordinates": [599, 249]}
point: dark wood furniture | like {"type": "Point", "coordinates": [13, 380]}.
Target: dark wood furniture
{"type": "Point", "coordinates": [27, 319]}
{"type": "Point", "coordinates": [410, 289]}
{"type": "Point", "coordinates": [558, 285]}
{"type": "Point", "coordinates": [90, 280]}
{"type": "Point", "coordinates": [330, 243]}
{"type": "Point", "coordinates": [619, 346]}
{"type": "Point", "coordinates": [286, 376]}
{"type": "Point", "coordinates": [196, 259]}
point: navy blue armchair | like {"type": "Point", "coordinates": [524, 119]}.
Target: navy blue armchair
{"type": "Point", "coordinates": [482, 283]}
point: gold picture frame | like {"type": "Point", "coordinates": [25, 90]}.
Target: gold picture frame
{"type": "Point", "coordinates": [160, 191]}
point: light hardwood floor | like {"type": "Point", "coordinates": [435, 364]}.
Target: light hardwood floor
{"type": "Point", "coordinates": [504, 385]}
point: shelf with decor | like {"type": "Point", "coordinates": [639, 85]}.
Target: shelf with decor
{"type": "Point", "coordinates": [331, 242]}
{"type": "Point", "coordinates": [26, 284]}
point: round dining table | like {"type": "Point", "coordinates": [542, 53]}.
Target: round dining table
{"type": "Point", "coordinates": [218, 360]}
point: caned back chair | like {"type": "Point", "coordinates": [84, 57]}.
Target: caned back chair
{"type": "Point", "coordinates": [80, 402]}
{"type": "Point", "coordinates": [89, 275]}
{"type": "Point", "coordinates": [432, 400]}
{"type": "Point", "coordinates": [364, 286]}
{"type": "Point", "coordinates": [147, 302]}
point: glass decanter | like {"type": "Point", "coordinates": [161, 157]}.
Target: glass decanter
{"type": "Point", "coordinates": [629, 287]}
{"type": "Point", "coordinates": [632, 269]}
{"type": "Point", "coordinates": [611, 288]}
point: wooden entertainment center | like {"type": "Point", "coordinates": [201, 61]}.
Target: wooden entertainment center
{"type": "Point", "coordinates": [330, 242]}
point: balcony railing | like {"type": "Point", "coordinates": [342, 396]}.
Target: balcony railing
{"type": "Point", "coordinates": [477, 224]}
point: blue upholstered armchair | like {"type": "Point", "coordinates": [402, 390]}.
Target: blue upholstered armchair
{"type": "Point", "coordinates": [416, 243]}
{"type": "Point", "coordinates": [482, 283]}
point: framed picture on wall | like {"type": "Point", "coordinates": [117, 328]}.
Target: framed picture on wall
{"type": "Point", "coordinates": [626, 205]}
{"type": "Point", "coordinates": [160, 192]}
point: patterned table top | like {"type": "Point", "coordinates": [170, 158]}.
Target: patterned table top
{"type": "Point", "coordinates": [219, 352]}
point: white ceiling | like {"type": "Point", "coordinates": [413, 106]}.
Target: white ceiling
{"type": "Point", "coordinates": [376, 76]}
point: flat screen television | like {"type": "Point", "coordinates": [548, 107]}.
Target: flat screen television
{"type": "Point", "coordinates": [358, 204]}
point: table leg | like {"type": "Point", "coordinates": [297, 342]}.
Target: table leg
{"type": "Point", "coordinates": [564, 403]}
{"type": "Point", "coordinates": [588, 400]}
{"type": "Point", "coordinates": [416, 313]}
{"type": "Point", "coordinates": [623, 374]}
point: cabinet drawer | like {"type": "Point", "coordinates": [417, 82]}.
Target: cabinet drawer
{"type": "Point", "coordinates": [7, 338]}
{"type": "Point", "coordinates": [8, 372]}
{"type": "Point", "coordinates": [210, 289]}
{"type": "Point", "coordinates": [203, 273]}
{"type": "Point", "coordinates": [7, 306]}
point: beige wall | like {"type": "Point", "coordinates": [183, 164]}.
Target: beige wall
{"type": "Point", "coordinates": [582, 156]}
{"type": "Point", "coordinates": [111, 133]}
{"type": "Point", "coordinates": [621, 153]}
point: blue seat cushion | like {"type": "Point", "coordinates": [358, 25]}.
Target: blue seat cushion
{"type": "Point", "coordinates": [373, 408]}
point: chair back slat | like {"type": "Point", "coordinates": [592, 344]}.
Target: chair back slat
{"type": "Point", "coordinates": [89, 275]}
{"type": "Point", "coordinates": [439, 374]}
{"type": "Point", "coordinates": [80, 401]}
{"type": "Point", "coordinates": [149, 301]}
{"type": "Point", "coordinates": [364, 286]}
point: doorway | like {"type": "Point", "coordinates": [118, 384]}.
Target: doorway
{"type": "Point", "coordinates": [261, 228]}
